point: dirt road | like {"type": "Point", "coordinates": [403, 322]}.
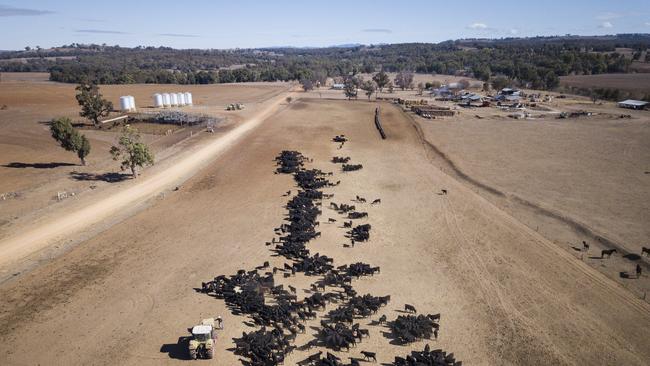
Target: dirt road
{"type": "Point", "coordinates": [66, 225]}
{"type": "Point", "coordinates": [507, 295]}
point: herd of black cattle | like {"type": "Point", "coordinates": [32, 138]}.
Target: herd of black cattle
{"type": "Point", "coordinates": [280, 320]}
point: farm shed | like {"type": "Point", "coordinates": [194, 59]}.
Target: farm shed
{"type": "Point", "coordinates": [633, 104]}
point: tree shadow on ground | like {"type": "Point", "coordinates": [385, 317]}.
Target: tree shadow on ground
{"type": "Point", "coordinates": [105, 177]}
{"type": "Point", "coordinates": [50, 165]}
{"type": "Point", "coordinates": [177, 350]}
{"type": "Point", "coordinates": [74, 124]}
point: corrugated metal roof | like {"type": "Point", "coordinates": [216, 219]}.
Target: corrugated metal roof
{"type": "Point", "coordinates": [633, 102]}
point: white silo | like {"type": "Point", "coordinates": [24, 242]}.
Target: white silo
{"type": "Point", "coordinates": [131, 103]}
{"type": "Point", "coordinates": [181, 99]}
{"type": "Point", "coordinates": [158, 100]}
{"type": "Point", "coordinates": [174, 98]}
{"type": "Point", "coordinates": [125, 103]}
{"type": "Point", "coordinates": [188, 98]}
{"type": "Point", "coordinates": [167, 100]}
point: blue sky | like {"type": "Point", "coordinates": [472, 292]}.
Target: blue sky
{"type": "Point", "coordinates": [244, 24]}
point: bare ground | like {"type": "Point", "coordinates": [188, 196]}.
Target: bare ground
{"type": "Point", "coordinates": [507, 295]}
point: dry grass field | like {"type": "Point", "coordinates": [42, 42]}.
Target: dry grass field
{"type": "Point", "coordinates": [638, 84]}
{"type": "Point", "coordinates": [34, 168]}
{"type": "Point", "coordinates": [494, 256]}
{"type": "Point", "coordinates": [507, 295]}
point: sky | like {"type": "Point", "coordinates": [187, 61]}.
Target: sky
{"type": "Point", "coordinates": [269, 23]}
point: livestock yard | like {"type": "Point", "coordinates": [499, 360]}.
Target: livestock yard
{"type": "Point", "coordinates": [471, 226]}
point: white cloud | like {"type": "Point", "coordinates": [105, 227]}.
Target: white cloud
{"type": "Point", "coordinates": [608, 16]}
{"type": "Point", "coordinates": [514, 32]}
{"type": "Point", "coordinates": [477, 26]}
{"type": "Point", "coordinates": [606, 25]}
{"type": "Point", "coordinates": [647, 24]}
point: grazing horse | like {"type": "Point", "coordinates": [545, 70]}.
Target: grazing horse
{"type": "Point", "coordinates": [361, 199]}
{"type": "Point", "coordinates": [645, 250]}
{"type": "Point", "coordinates": [369, 355]}
{"type": "Point", "coordinates": [410, 308]}
{"type": "Point", "coordinates": [607, 252]}
{"type": "Point", "coordinates": [585, 246]}
{"type": "Point", "coordinates": [331, 220]}
{"type": "Point", "coordinates": [444, 191]}
{"type": "Point", "coordinates": [382, 319]}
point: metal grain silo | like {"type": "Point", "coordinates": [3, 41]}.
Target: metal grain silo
{"type": "Point", "coordinates": [174, 98]}
{"type": "Point", "coordinates": [188, 98]}
{"type": "Point", "coordinates": [181, 99]}
{"type": "Point", "coordinates": [158, 100]}
{"type": "Point", "coordinates": [167, 100]}
{"type": "Point", "coordinates": [131, 103]}
{"type": "Point", "coordinates": [125, 103]}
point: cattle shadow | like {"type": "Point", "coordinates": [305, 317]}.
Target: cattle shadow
{"type": "Point", "coordinates": [393, 340]}
{"type": "Point", "coordinates": [105, 177]}
{"type": "Point", "coordinates": [576, 249]}
{"type": "Point", "coordinates": [632, 257]}
{"type": "Point", "coordinates": [403, 311]}
{"type": "Point", "coordinates": [178, 350]}
{"type": "Point", "coordinates": [51, 165]}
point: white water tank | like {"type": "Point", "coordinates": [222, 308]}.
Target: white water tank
{"type": "Point", "coordinates": [188, 98]}
{"type": "Point", "coordinates": [181, 99]}
{"type": "Point", "coordinates": [125, 103]}
{"type": "Point", "coordinates": [158, 100]}
{"type": "Point", "coordinates": [131, 103]}
{"type": "Point", "coordinates": [167, 100]}
{"type": "Point", "coordinates": [174, 98]}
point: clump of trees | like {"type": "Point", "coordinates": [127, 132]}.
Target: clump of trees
{"type": "Point", "coordinates": [500, 82]}
{"type": "Point", "coordinates": [404, 80]}
{"type": "Point", "coordinates": [381, 79]}
{"type": "Point", "coordinates": [368, 87]}
{"type": "Point", "coordinates": [69, 138]}
{"type": "Point", "coordinates": [93, 105]}
{"type": "Point", "coordinates": [307, 84]}
{"type": "Point", "coordinates": [132, 151]}
{"type": "Point", "coordinates": [350, 88]}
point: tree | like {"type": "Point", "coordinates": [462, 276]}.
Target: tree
{"type": "Point", "coordinates": [369, 87]}
{"type": "Point", "coordinates": [390, 87]}
{"type": "Point", "coordinates": [500, 82]}
{"type": "Point", "coordinates": [69, 138]}
{"type": "Point", "coordinates": [350, 88]}
{"type": "Point", "coordinates": [404, 80]}
{"type": "Point", "coordinates": [133, 152]}
{"type": "Point", "coordinates": [381, 79]}
{"type": "Point", "coordinates": [93, 105]}
{"type": "Point", "coordinates": [307, 84]}
{"type": "Point", "coordinates": [420, 88]}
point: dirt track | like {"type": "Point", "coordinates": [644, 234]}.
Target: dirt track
{"type": "Point", "coordinates": [506, 294]}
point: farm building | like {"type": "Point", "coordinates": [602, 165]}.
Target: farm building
{"type": "Point", "coordinates": [510, 91]}
{"type": "Point", "coordinates": [338, 86]}
{"type": "Point", "coordinates": [633, 104]}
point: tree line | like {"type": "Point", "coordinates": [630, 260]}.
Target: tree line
{"type": "Point", "coordinates": [534, 62]}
